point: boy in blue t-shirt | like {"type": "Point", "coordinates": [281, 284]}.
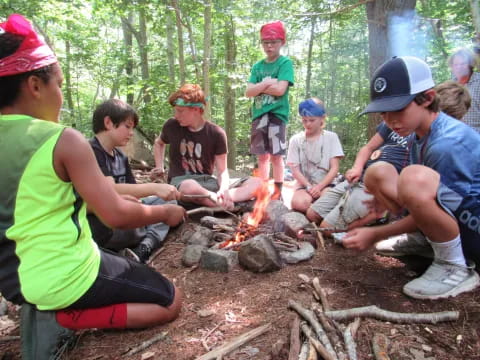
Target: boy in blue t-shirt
{"type": "Point", "coordinates": [268, 85]}
{"type": "Point", "coordinates": [441, 190]}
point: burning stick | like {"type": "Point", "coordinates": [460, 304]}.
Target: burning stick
{"type": "Point", "coordinates": [323, 229]}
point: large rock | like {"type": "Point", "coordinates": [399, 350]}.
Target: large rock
{"type": "Point", "coordinates": [219, 260]}
{"type": "Point", "coordinates": [305, 252]}
{"type": "Point", "coordinates": [259, 255]}
{"type": "Point", "coordinates": [198, 235]}
{"type": "Point", "coordinates": [273, 215]}
{"type": "Point", "coordinates": [192, 254]}
{"type": "Point", "coordinates": [294, 222]}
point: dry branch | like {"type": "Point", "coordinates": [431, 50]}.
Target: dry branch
{"type": "Point", "coordinates": [319, 236]}
{"type": "Point", "coordinates": [348, 337]}
{"type": "Point", "coordinates": [317, 344]}
{"type": "Point", "coordinates": [304, 351]}
{"type": "Point", "coordinates": [312, 352]}
{"type": "Point", "coordinates": [9, 338]}
{"type": "Point", "coordinates": [380, 347]}
{"type": "Point", "coordinates": [321, 293]}
{"type": "Point", "coordinates": [294, 339]}
{"type": "Point", "coordinates": [222, 350]}
{"type": "Point", "coordinates": [319, 331]}
{"type": "Point", "coordinates": [147, 343]}
{"type": "Point", "coordinates": [380, 314]}
{"type": "Point", "coordinates": [205, 209]}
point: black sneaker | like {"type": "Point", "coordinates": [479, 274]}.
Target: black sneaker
{"type": "Point", "coordinates": [143, 252]}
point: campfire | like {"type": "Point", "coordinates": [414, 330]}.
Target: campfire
{"type": "Point", "coordinates": [249, 227]}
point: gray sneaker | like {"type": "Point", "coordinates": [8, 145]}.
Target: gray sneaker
{"type": "Point", "coordinates": [442, 280]}
{"type": "Point", "coordinates": [405, 244]}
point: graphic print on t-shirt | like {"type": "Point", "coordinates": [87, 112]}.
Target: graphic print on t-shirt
{"type": "Point", "coordinates": [191, 157]}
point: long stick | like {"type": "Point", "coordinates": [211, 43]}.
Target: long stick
{"type": "Point", "coordinates": [235, 343]}
{"type": "Point", "coordinates": [380, 347]}
{"type": "Point", "coordinates": [147, 343]}
{"type": "Point", "coordinates": [295, 339]}
{"type": "Point", "coordinates": [319, 331]}
{"type": "Point", "coordinates": [380, 314]}
{"type": "Point", "coordinates": [317, 344]}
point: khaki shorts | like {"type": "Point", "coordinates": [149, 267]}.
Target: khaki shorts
{"type": "Point", "coordinates": [342, 205]}
{"type": "Point", "coordinates": [208, 182]}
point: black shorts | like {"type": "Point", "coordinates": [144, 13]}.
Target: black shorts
{"type": "Point", "coordinates": [121, 280]}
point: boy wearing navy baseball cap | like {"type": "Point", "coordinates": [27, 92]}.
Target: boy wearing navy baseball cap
{"type": "Point", "coordinates": [440, 188]}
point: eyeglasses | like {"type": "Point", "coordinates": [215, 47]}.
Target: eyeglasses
{"type": "Point", "coordinates": [270, 42]}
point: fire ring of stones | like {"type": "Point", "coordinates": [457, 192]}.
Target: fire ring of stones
{"type": "Point", "coordinates": [261, 241]}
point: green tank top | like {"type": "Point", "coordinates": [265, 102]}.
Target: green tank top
{"type": "Point", "coordinates": [54, 257]}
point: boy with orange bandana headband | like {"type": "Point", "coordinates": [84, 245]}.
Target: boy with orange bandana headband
{"type": "Point", "coordinates": [269, 82]}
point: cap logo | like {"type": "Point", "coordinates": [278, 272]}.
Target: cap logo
{"type": "Point", "coordinates": [380, 85]}
{"type": "Point", "coordinates": [2, 31]}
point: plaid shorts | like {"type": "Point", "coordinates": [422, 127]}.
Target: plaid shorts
{"type": "Point", "coordinates": [268, 135]}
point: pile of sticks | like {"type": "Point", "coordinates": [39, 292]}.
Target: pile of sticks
{"type": "Point", "coordinates": [325, 336]}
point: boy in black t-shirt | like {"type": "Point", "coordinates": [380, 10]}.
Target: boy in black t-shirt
{"type": "Point", "coordinates": [113, 124]}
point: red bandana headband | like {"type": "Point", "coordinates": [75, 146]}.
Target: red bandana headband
{"type": "Point", "coordinates": [273, 31]}
{"type": "Point", "coordinates": [32, 54]}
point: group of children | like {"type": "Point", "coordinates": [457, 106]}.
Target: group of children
{"type": "Point", "coordinates": [60, 191]}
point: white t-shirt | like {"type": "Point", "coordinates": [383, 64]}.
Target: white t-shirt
{"type": "Point", "coordinates": [313, 155]}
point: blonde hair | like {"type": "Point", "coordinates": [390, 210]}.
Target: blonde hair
{"type": "Point", "coordinates": [455, 99]}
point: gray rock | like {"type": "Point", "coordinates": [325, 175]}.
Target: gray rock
{"type": "Point", "coordinates": [293, 222]}
{"type": "Point", "coordinates": [273, 215]}
{"type": "Point", "coordinates": [305, 252]}
{"type": "Point", "coordinates": [201, 236]}
{"type": "Point", "coordinates": [219, 260]}
{"type": "Point", "coordinates": [192, 254]}
{"type": "Point", "coordinates": [259, 255]}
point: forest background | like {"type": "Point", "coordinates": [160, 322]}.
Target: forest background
{"type": "Point", "coordinates": [143, 50]}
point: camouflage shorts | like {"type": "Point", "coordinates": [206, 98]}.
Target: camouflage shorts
{"type": "Point", "coordinates": [268, 136]}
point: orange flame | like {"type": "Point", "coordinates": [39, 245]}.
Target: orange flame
{"type": "Point", "coordinates": [262, 195]}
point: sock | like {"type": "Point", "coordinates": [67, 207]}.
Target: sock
{"type": "Point", "coordinates": [450, 251]}
{"type": "Point", "coordinates": [107, 317]}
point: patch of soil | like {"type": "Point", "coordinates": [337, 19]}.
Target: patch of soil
{"type": "Point", "coordinates": [219, 306]}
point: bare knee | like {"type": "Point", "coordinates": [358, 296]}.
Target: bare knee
{"type": "Point", "coordinates": [313, 216]}
{"type": "Point", "coordinates": [189, 186]}
{"type": "Point", "coordinates": [417, 184]}
{"type": "Point", "coordinates": [176, 306]}
{"type": "Point", "coordinates": [301, 202]}
{"type": "Point", "coordinates": [379, 172]}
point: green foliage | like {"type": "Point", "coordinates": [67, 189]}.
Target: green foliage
{"type": "Point", "coordinates": [98, 56]}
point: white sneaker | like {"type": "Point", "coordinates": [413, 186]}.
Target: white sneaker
{"type": "Point", "coordinates": [442, 280]}
{"type": "Point", "coordinates": [405, 244]}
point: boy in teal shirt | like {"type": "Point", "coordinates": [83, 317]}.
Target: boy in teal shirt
{"type": "Point", "coordinates": [268, 85]}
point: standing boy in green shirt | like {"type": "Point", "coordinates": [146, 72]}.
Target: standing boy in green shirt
{"type": "Point", "coordinates": [268, 85]}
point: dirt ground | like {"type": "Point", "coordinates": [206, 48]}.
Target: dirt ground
{"type": "Point", "coordinates": [220, 306]}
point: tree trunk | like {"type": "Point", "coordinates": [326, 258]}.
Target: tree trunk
{"type": "Point", "coordinates": [143, 50]}
{"type": "Point", "coordinates": [170, 51]}
{"type": "Point", "coordinates": [193, 50]}
{"type": "Point", "coordinates": [378, 16]}
{"type": "Point", "coordinates": [181, 57]}
{"type": "Point", "coordinates": [229, 92]}
{"type": "Point", "coordinates": [68, 84]}
{"type": "Point", "coordinates": [207, 44]}
{"type": "Point", "coordinates": [128, 39]}
{"type": "Point", "coordinates": [309, 58]}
